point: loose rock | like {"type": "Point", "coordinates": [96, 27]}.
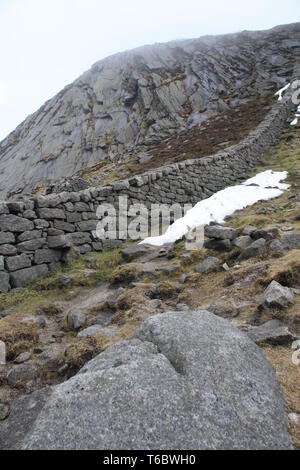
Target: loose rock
{"type": "Point", "coordinates": [277, 296]}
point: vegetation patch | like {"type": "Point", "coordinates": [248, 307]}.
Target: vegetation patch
{"type": "Point", "coordinates": [288, 375]}
{"type": "Point", "coordinates": [125, 274]}
{"type": "Point", "coordinates": [17, 336]}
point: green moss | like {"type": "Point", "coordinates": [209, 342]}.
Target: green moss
{"type": "Point", "coordinates": [87, 271]}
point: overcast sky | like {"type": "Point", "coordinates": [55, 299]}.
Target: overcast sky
{"type": "Point", "coordinates": [46, 44]}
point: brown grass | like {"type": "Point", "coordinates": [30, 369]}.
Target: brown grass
{"type": "Point", "coordinates": [130, 298]}
{"type": "Point", "coordinates": [18, 337]}
{"type": "Point", "coordinates": [83, 350]}
{"type": "Point", "coordinates": [288, 375]}
{"type": "Point", "coordinates": [164, 290]}
{"type": "Point", "coordinates": [125, 274]}
{"type": "Point", "coordinates": [49, 309]}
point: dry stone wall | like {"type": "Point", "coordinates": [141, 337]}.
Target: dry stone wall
{"type": "Point", "coordinates": [37, 233]}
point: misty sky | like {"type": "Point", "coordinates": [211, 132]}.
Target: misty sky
{"type": "Point", "coordinates": [46, 44]}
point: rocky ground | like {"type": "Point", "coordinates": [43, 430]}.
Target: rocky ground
{"type": "Point", "coordinates": [248, 273]}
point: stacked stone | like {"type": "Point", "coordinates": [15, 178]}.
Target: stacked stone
{"type": "Point", "coordinates": [36, 233]}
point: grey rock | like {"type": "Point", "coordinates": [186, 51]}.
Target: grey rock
{"type": "Point", "coordinates": [1, 263]}
{"type": "Point", "coordinates": [248, 230]}
{"type": "Point", "coordinates": [79, 238]}
{"type": "Point", "coordinates": [76, 320]}
{"type": "Point", "coordinates": [4, 282]}
{"type": "Point", "coordinates": [25, 276]}
{"type": "Point", "coordinates": [218, 245]}
{"type": "Point", "coordinates": [242, 242]}
{"type": "Point", "coordinates": [41, 224]}
{"type": "Point", "coordinates": [47, 255]}
{"type": "Point", "coordinates": [3, 208]}
{"type": "Point", "coordinates": [224, 310]}
{"type": "Point", "coordinates": [191, 373]}
{"type": "Point", "coordinates": [21, 374]}
{"type": "Point", "coordinates": [59, 242]}
{"type": "Point", "coordinates": [169, 270]}
{"type": "Point", "coordinates": [13, 223]}
{"type": "Point", "coordinates": [133, 252]}
{"type": "Point", "coordinates": [8, 250]}
{"type": "Point", "coordinates": [29, 214]}
{"type": "Point", "coordinates": [88, 225]}
{"type": "Point", "coordinates": [112, 298]}
{"type": "Point", "coordinates": [31, 245]}
{"type": "Point", "coordinates": [15, 207]}
{"type": "Point", "coordinates": [18, 262]}
{"type": "Point", "coordinates": [276, 248]}
{"type": "Point", "coordinates": [209, 265]}
{"type": "Point", "coordinates": [98, 330]}
{"type": "Point", "coordinates": [7, 238]}
{"type": "Point", "coordinates": [266, 234]}
{"type": "Point", "coordinates": [31, 235]}
{"type": "Point", "coordinates": [24, 357]}
{"type": "Point", "coordinates": [273, 332]}
{"type": "Point", "coordinates": [51, 214]}
{"type": "Point", "coordinates": [65, 226]}
{"type": "Point", "coordinates": [277, 296]}
{"type": "Point", "coordinates": [256, 248]}
{"type": "Point", "coordinates": [219, 232]}
{"type": "Point", "coordinates": [290, 241]}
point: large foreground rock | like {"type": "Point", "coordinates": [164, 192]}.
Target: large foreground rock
{"type": "Point", "coordinates": [186, 381]}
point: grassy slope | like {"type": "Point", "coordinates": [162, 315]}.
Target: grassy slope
{"type": "Point", "coordinates": [243, 285]}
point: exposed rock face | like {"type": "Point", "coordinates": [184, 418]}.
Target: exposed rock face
{"type": "Point", "coordinates": [187, 381]}
{"type": "Point", "coordinates": [133, 100]}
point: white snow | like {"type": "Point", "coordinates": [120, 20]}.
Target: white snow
{"type": "Point", "coordinates": [280, 92]}
{"type": "Point", "coordinates": [262, 187]}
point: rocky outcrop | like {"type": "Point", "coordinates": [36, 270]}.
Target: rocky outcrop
{"type": "Point", "coordinates": [186, 381]}
{"type": "Point", "coordinates": [136, 99]}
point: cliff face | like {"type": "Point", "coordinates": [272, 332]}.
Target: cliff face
{"type": "Point", "coordinates": [133, 101]}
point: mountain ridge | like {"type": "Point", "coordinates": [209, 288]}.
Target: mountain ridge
{"type": "Point", "coordinates": [133, 101]}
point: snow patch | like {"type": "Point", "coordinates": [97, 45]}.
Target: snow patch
{"type": "Point", "coordinates": [264, 186]}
